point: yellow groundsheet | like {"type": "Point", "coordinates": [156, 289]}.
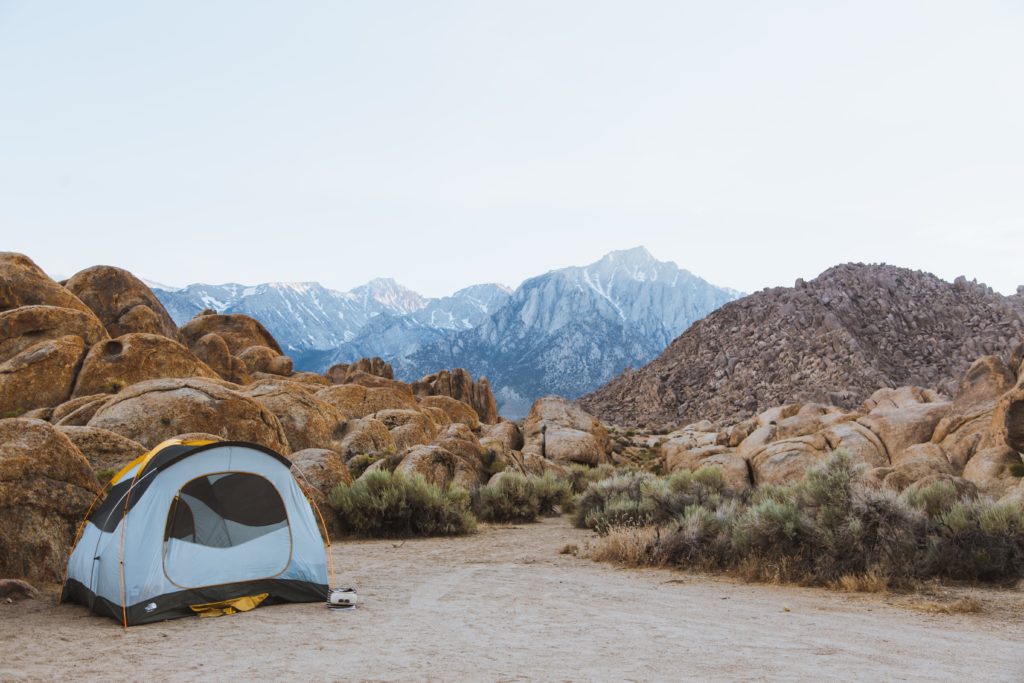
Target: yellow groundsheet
{"type": "Point", "coordinates": [219, 609]}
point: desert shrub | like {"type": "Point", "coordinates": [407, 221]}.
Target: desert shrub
{"type": "Point", "coordinates": [391, 504]}
{"type": "Point", "coordinates": [617, 501]}
{"type": "Point", "coordinates": [933, 499]}
{"type": "Point", "coordinates": [554, 495]}
{"type": "Point", "coordinates": [638, 498]}
{"type": "Point", "coordinates": [512, 498]}
{"type": "Point", "coordinates": [977, 540]}
{"type": "Point", "coordinates": [672, 495]}
{"type": "Point", "coordinates": [358, 464]}
{"type": "Point", "coordinates": [826, 529]}
{"type": "Point", "coordinates": [581, 476]}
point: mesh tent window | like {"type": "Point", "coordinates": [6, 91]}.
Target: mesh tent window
{"type": "Point", "coordinates": [236, 520]}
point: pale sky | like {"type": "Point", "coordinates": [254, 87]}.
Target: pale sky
{"type": "Point", "coordinates": [449, 143]}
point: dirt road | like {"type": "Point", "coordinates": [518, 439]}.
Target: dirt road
{"type": "Point", "coordinates": [505, 605]}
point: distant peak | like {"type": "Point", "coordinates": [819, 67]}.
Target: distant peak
{"type": "Point", "coordinates": [638, 252]}
{"type": "Point", "coordinates": [379, 283]}
{"type": "Point", "coordinates": [484, 287]}
{"type": "Point", "coordinates": [637, 256]}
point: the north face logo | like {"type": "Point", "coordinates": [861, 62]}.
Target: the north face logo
{"type": "Point", "coordinates": [150, 607]}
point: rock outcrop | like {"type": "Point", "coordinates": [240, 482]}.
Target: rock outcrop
{"type": "Point", "coordinates": [122, 302]}
{"type": "Point", "coordinates": [366, 436]}
{"type": "Point", "coordinates": [132, 358]}
{"type": "Point", "coordinates": [344, 373]}
{"type": "Point", "coordinates": [833, 340]}
{"type": "Point", "coordinates": [459, 384]}
{"type": "Point", "coordinates": [235, 346]}
{"type": "Point", "coordinates": [308, 422]}
{"type": "Point", "coordinates": [559, 430]}
{"type": "Point", "coordinates": [40, 376]}
{"type": "Point", "coordinates": [46, 487]}
{"type": "Point", "coordinates": [319, 471]}
{"type": "Point", "coordinates": [213, 350]}
{"type": "Point", "coordinates": [78, 411]}
{"type": "Point", "coordinates": [105, 450]}
{"type": "Point", "coordinates": [21, 328]}
{"type": "Point", "coordinates": [23, 283]}
{"type": "Point", "coordinates": [456, 410]}
{"type": "Point", "coordinates": [265, 359]}
{"type": "Point", "coordinates": [152, 411]}
{"type": "Point", "coordinates": [441, 467]}
{"type": "Point", "coordinates": [238, 331]}
{"type": "Point", "coordinates": [408, 427]}
{"type": "Point", "coordinates": [355, 400]}
{"type": "Point", "coordinates": [901, 438]}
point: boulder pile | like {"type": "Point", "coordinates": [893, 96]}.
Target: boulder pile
{"type": "Point", "coordinates": [902, 437]}
{"type": "Point", "coordinates": [93, 372]}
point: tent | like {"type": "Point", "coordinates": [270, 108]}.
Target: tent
{"type": "Point", "coordinates": [192, 523]}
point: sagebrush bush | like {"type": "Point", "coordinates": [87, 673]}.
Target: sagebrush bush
{"type": "Point", "coordinates": [826, 529]}
{"type": "Point", "coordinates": [637, 498]}
{"type": "Point", "coordinates": [358, 464]}
{"type": "Point", "coordinates": [554, 495]}
{"type": "Point", "coordinates": [512, 498]}
{"type": "Point", "coordinates": [383, 503]}
{"type": "Point", "coordinates": [581, 476]}
{"type": "Point", "coordinates": [616, 501]}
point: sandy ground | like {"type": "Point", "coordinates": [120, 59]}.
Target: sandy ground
{"type": "Point", "coordinates": [506, 605]}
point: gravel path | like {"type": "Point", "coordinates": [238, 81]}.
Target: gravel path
{"type": "Point", "coordinates": [504, 604]}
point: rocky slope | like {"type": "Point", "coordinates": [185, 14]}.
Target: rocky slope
{"type": "Point", "coordinates": [834, 340]}
{"type": "Point", "coordinates": [569, 330]}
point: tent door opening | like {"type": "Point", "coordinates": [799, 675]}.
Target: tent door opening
{"type": "Point", "coordinates": [226, 528]}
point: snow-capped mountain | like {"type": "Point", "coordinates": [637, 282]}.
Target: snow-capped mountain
{"type": "Point", "coordinates": [318, 326]}
{"type": "Point", "coordinates": [565, 332]}
{"type": "Point", "coordinates": [573, 329]}
{"type": "Point", "coordinates": [395, 336]}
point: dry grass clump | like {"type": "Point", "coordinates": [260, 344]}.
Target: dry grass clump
{"type": "Point", "coordinates": [387, 504]}
{"type": "Point", "coordinates": [869, 582]}
{"type": "Point", "coordinates": [965, 605]}
{"type": "Point", "coordinates": [826, 529]}
{"type": "Point", "coordinates": [629, 546]}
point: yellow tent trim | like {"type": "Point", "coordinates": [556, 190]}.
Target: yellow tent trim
{"type": "Point", "coordinates": [148, 455]}
{"type": "Point", "coordinates": [219, 609]}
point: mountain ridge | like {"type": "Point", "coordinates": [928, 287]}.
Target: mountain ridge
{"type": "Point", "coordinates": [622, 309]}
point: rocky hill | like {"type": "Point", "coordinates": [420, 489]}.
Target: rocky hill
{"type": "Point", "coordinates": [569, 330]}
{"type": "Point", "coordinates": [834, 340]}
